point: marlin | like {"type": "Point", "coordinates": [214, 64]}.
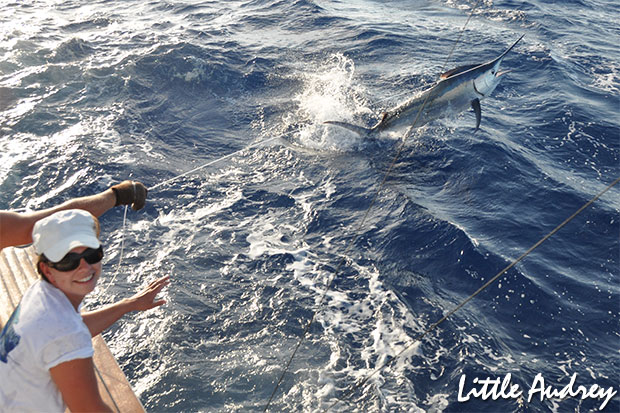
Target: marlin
{"type": "Point", "coordinates": [456, 90]}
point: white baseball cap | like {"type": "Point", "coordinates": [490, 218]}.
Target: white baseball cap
{"type": "Point", "coordinates": [56, 235]}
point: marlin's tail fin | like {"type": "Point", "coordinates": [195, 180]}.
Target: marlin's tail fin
{"type": "Point", "coordinates": [357, 129]}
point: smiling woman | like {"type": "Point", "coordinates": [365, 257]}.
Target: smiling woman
{"type": "Point", "coordinates": [46, 345]}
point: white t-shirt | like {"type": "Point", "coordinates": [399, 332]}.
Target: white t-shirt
{"type": "Point", "coordinates": [44, 331]}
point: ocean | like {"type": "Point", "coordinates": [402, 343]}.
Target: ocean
{"type": "Point", "coordinates": [280, 209]}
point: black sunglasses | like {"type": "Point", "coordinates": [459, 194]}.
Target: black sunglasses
{"type": "Point", "coordinates": [72, 260]}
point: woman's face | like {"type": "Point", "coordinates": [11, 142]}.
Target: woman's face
{"type": "Point", "coordinates": [76, 284]}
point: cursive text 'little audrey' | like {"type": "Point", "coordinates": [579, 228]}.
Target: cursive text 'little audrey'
{"type": "Point", "coordinates": [504, 388]}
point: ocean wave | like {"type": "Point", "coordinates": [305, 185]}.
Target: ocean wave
{"type": "Point", "coordinates": [90, 95]}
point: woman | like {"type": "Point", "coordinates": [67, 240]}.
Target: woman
{"type": "Point", "coordinates": [45, 347]}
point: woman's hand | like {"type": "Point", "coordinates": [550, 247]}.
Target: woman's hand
{"type": "Point", "coordinates": [102, 318]}
{"type": "Point", "coordinates": [145, 299]}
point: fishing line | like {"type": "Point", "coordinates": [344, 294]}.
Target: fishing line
{"type": "Point", "coordinates": [122, 248]}
{"type": "Point", "coordinates": [215, 161]}
{"type": "Point", "coordinates": [471, 297]}
{"type": "Point", "coordinates": [123, 227]}
{"type": "Point", "coordinates": [362, 222]}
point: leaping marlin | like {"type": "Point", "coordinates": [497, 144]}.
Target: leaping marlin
{"type": "Point", "coordinates": [458, 89]}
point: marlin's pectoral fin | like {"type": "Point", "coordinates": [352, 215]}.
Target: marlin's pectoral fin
{"type": "Point", "coordinates": [475, 104]}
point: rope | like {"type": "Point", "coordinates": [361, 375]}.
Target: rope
{"type": "Point", "coordinates": [360, 226]}
{"type": "Point", "coordinates": [471, 297]}
{"type": "Point", "coordinates": [120, 258]}
{"type": "Point", "coordinates": [107, 389]}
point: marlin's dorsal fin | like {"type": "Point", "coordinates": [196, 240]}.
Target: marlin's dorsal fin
{"type": "Point", "coordinates": [456, 71]}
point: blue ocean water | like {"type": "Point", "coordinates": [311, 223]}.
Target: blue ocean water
{"type": "Point", "coordinates": [92, 93]}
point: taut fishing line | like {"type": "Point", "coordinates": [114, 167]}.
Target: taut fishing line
{"type": "Point", "coordinates": [215, 161]}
